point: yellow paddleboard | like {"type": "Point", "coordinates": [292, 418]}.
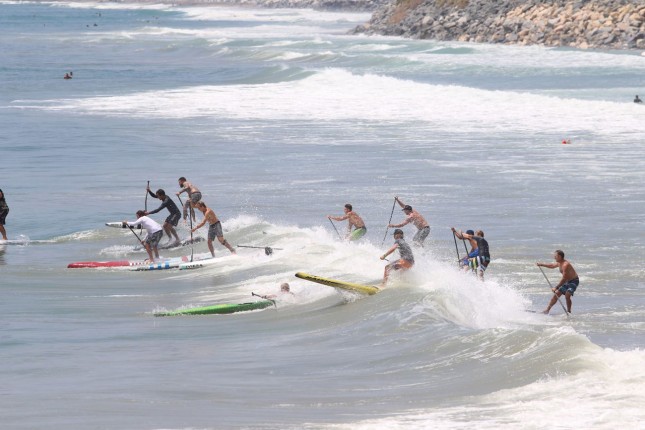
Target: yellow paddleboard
{"type": "Point", "coordinates": [349, 286]}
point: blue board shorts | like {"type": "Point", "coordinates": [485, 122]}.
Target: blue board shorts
{"type": "Point", "coordinates": [569, 286]}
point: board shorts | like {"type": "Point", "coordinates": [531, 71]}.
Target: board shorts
{"type": "Point", "coordinates": [569, 286]}
{"type": "Point", "coordinates": [421, 235]}
{"type": "Point", "coordinates": [479, 263]}
{"type": "Point", "coordinates": [401, 264]}
{"type": "Point", "coordinates": [195, 197]}
{"type": "Point", "coordinates": [173, 219]}
{"type": "Point", "coordinates": [215, 230]}
{"type": "Point", "coordinates": [357, 234]}
{"type": "Point", "coordinates": [3, 216]}
{"type": "Point", "coordinates": [154, 238]}
{"type": "Point", "coordinates": [192, 198]}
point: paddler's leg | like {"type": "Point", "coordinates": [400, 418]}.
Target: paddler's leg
{"type": "Point", "coordinates": [210, 246]}
{"type": "Point", "coordinates": [226, 244]}
{"type": "Point", "coordinates": [552, 302]}
{"type": "Point", "coordinates": [567, 296]}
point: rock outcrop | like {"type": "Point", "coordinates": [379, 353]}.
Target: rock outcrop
{"type": "Point", "coordinates": [614, 24]}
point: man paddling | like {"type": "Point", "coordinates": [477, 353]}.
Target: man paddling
{"type": "Point", "coordinates": [4, 211]}
{"type": "Point", "coordinates": [568, 283]}
{"type": "Point", "coordinates": [354, 220]}
{"type": "Point", "coordinates": [154, 230]}
{"type": "Point", "coordinates": [638, 99]}
{"type": "Point", "coordinates": [480, 262]}
{"type": "Point", "coordinates": [194, 195]}
{"type": "Point", "coordinates": [407, 258]}
{"type": "Point", "coordinates": [173, 219]}
{"type": "Point", "coordinates": [215, 229]}
{"type": "Point", "coordinates": [474, 250]}
{"type": "Point", "coordinates": [416, 219]}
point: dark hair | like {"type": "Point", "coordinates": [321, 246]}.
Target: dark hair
{"type": "Point", "coordinates": [141, 213]}
{"type": "Point", "coordinates": [348, 206]}
{"type": "Point", "coordinates": [560, 253]}
{"type": "Point", "coordinates": [182, 179]}
{"type": "Point", "coordinates": [161, 192]}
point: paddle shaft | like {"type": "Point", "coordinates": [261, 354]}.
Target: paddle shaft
{"type": "Point", "coordinates": [265, 298]}
{"type": "Point", "coordinates": [333, 225]}
{"type": "Point", "coordinates": [136, 235]}
{"type": "Point", "coordinates": [389, 222]}
{"type": "Point", "coordinates": [192, 251]}
{"type": "Point", "coordinates": [554, 293]}
{"type": "Point", "coordinates": [454, 236]}
{"type": "Point", "coordinates": [146, 201]}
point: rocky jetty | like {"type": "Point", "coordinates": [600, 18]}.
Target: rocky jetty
{"type": "Point", "coordinates": [613, 24]}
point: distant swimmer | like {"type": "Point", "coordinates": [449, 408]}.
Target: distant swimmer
{"type": "Point", "coordinates": [568, 283]}
{"type": "Point", "coordinates": [407, 258]}
{"type": "Point", "coordinates": [175, 215]}
{"type": "Point", "coordinates": [154, 230]}
{"type": "Point", "coordinates": [215, 229]}
{"type": "Point", "coordinates": [417, 220]}
{"type": "Point", "coordinates": [354, 220]}
{"type": "Point", "coordinates": [194, 195]}
{"type": "Point", "coordinates": [4, 211]}
{"type": "Point", "coordinates": [480, 262]}
{"type": "Point", "coordinates": [637, 99]}
{"type": "Point", "coordinates": [67, 76]}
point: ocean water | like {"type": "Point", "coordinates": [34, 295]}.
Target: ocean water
{"type": "Point", "coordinates": [280, 118]}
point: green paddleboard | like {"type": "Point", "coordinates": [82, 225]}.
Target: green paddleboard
{"type": "Point", "coordinates": [226, 308]}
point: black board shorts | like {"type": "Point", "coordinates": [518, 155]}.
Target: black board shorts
{"type": "Point", "coordinates": [3, 216]}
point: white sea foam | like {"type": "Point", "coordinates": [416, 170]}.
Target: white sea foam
{"type": "Point", "coordinates": [607, 396]}
{"type": "Point", "coordinates": [337, 95]}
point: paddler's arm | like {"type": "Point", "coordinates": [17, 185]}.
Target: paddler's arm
{"type": "Point", "coordinates": [200, 225]}
{"type": "Point", "coordinates": [389, 251]}
{"type": "Point", "coordinates": [151, 193]}
{"type": "Point", "coordinates": [459, 235]}
{"type": "Point", "coordinates": [338, 218]}
{"type": "Point", "coordinates": [399, 202]}
{"type": "Point", "coordinates": [548, 265]}
{"type": "Point", "coordinates": [407, 221]}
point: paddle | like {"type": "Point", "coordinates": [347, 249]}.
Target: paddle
{"type": "Point", "coordinates": [333, 225]}
{"type": "Point", "coordinates": [265, 298]}
{"type": "Point", "coordinates": [267, 249]}
{"type": "Point", "coordinates": [191, 231]}
{"type": "Point", "coordinates": [389, 222]}
{"type": "Point", "coordinates": [136, 235]}
{"type": "Point", "coordinates": [559, 301]}
{"type": "Point", "coordinates": [454, 236]}
{"type": "Point", "coordinates": [146, 201]}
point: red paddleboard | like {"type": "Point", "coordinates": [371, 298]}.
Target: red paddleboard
{"type": "Point", "coordinates": [95, 264]}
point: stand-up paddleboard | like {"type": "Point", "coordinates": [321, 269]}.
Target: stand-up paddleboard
{"type": "Point", "coordinates": [120, 225]}
{"type": "Point", "coordinates": [170, 263]}
{"type": "Point", "coordinates": [24, 242]}
{"type": "Point", "coordinates": [99, 264]}
{"type": "Point", "coordinates": [349, 286]}
{"type": "Point", "coordinates": [143, 265]}
{"type": "Point", "coordinates": [228, 308]}
{"type": "Point", "coordinates": [172, 245]}
{"type": "Point", "coordinates": [198, 264]}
